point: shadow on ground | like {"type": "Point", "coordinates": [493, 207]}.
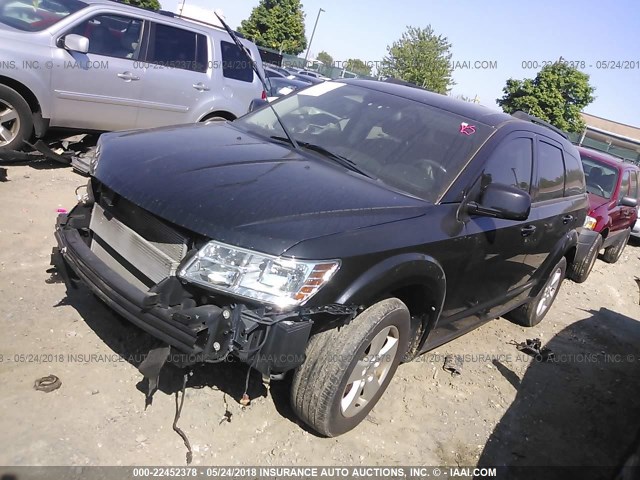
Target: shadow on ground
{"type": "Point", "coordinates": [581, 409]}
{"type": "Point", "coordinates": [133, 344]}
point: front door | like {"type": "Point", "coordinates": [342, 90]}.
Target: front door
{"type": "Point", "coordinates": [101, 89]}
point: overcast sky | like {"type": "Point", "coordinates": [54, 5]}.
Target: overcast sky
{"type": "Point", "coordinates": [505, 32]}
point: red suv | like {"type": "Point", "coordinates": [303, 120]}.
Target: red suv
{"type": "Point", "coordinates": [613, 197]}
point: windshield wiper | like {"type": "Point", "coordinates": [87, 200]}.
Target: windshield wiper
{"type": "Point", "coordinates": [345, 162]}
{"type": "Point", "coordinates": [244, 50]}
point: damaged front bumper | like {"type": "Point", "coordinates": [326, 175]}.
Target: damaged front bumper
{"type": "Point", "coordinates": [271, 342]}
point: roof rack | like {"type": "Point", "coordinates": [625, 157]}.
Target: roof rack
{"type": "Point", "coordinates": [519, 114]}
{"type": "Point", "coordinates": [167, 13]}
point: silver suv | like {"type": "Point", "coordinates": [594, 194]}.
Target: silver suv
{"type": "Point", "coordinates": [102, 65]}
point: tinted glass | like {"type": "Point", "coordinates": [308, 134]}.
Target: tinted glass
{"type": "Point", "coordinates": [550, 172]}
{"type": "Point", "coordinates": [112, 35]}
{"type": "Point", "coordinates": [35, 16]}
{"type": "Point", "coordinates": [601, 177]}
{"type": "Point", "coordinates": [407, 145]}
{"type": "Point", "coordinates": [235, 63]}
{"type": "Point", "coordinates": [511, 164]}
{"type": "Point", "coordinates": [575, 176]}
{"type": "Point", "coordinates": [177, 48]}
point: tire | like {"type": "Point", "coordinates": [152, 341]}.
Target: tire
{"type": "Point", "coordinates": [16, 119]}
{"type": "Point", "coordinates": [613, 253]}
{"type": "Point", "coordinates": [579, 271]}
{"type": "Point", "coordinates": [327, 392]}
{"type": "Point", "coordinates": [532, 312]}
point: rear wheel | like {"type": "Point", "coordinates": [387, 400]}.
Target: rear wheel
{"type": "Point", "coordinates": [532, 313]}
{"type": "Point", "coordinates": [613, 253]}
{"type": "Point", "coordinates": [348, 369]}
{"type": "Point", "coordinates": [579, 271]}
{"type": "Point", "coordinates": [16, 121]}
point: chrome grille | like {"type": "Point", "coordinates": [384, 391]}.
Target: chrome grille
{"type": "Point", "coordinates": [131, 237]}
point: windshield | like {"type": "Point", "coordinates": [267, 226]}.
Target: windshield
{"type": "Point", "coordinates": [38, 14]}
{"type": "Point", "coordinates": [409, 146]}
{"type": "Point", "coordinates": [601, 178]}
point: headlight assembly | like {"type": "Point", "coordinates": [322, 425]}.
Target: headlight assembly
{"type": "Point", "coordinates": [283, 282]}
{"type": "Point", "coordinates": [590, 223]}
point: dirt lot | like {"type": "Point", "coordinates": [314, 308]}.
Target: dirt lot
{"type": "Point", "coordinates": [505, 408]}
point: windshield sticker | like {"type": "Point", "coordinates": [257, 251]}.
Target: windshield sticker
{"type": "Point", "coordinates": [467, 129]}
{"type": "Point", "coordinates": [321, 89]}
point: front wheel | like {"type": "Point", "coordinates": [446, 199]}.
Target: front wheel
{"type": "Point", "coordinates": [532, 313]}
{"type": "Point", "coordinates": [347, 369]}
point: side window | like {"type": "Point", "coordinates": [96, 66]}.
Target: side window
{"type": "Point", "coordinates": [624, 185]}
{"type": "Point", "coordinates": [177, 48]}
{"type": "Point", "coordinates": [633, 190]}
{"type": "Point", "coordinates": [550, 172]}
{"type": "Point", "coordinates": [511, 163]}
{"type": "Point", "coordinates": [235, 64]}
{"type": "Point", "coordinates": [575, 176]}
{"type": "Point", "coordinates": [112, 35]}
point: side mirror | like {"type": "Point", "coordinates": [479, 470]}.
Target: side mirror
{"type": "Point", "coordinates": [629, 202]}
{"type": "Point", "coordinates": [257, 103]}
{"type": "Point", "coordinates": [502, 201]}
{"type": "Point", "coordinates": [76, 43]}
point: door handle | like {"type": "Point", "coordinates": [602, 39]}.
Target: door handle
{"type": "Point", "coordinates": [128, 76]}
{"type": "Point", "coordinates": [567, 218]}
{"type": "Point", "coordinates": [528, 230]}
{"type": "Point", "coordinates": [201, 87]}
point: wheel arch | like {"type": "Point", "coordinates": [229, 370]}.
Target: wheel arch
{"type": "Point", "coordinates": [40, 125]}
{"type": "Point", "coordinates": [218, 113]}
{"type": "Point", "coordinates": [416, 279]}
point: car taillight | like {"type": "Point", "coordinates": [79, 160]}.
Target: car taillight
{"type": "Point", "coordinates": [264, 95]}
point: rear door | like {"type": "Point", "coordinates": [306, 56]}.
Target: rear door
{"type": "Point", "coordinates": [177, 79]}
{"type": "Point", "coordinates": [558, 205]}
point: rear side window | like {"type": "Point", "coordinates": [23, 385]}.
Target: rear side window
{"type": "Point", "coordinates": [177, 48]}
{"type": "Point", "coordinates": [575, 176]}
{"type": "Point", "coordinates": [550, 172]}
{"type": "Point", "coordinates": [235, 63]}
{"type": "Point", "coordinates": [624, 185]}
{"type": "Point", "coordinates": [511, 164]}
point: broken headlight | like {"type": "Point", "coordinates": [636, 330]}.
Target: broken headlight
{"type": "Point", "coordinates": [284, 282]}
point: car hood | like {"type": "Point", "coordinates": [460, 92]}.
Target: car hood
{"type": "Point", "coordinates": [596, 202]}
{"type": "Point", "coordinates": [224, 183]}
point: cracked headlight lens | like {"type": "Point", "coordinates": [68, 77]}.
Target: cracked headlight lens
{"type": "Point", "coordinates": [281, 281]}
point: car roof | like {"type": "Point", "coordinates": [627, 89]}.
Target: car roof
{"type": "Point", "coordinates": [606, 158]}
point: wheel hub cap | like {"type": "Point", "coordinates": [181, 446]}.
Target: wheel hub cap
{"type": "Point", "coordinates": [9, 123]}
{"type": "Point", "coordinates": [549, 292]}
{"type": "Point", "coordinates": [370, 372]}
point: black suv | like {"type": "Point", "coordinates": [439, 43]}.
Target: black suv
{"type": "Point", "coordinates": [364, 224]}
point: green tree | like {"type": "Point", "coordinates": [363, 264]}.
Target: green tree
{"type": "Point", "coordinates": [325, 58]}
{"type": "Point", "coordinates": [277, 24]}
{"type": "Point", "coordinates": [557, 94]}
{"type": "Point", "coordinates": [150, 4]}
{"type": "Point", "coordinates": [357, 66]}
{"type": "Point", "coordinates": [420, 57]}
